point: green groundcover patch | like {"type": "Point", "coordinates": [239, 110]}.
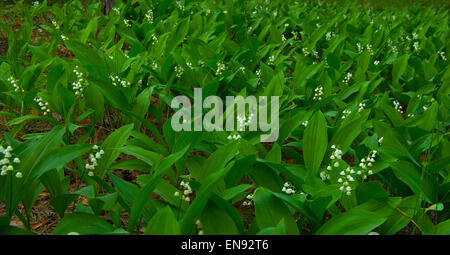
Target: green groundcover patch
{"type": "Point", "coordinates": [86, 118]}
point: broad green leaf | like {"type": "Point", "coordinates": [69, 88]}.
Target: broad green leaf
{"type": "Point", "coordinates": [269, 211]}
{"type": "Point", "coordinates": [353, 222]}
{"type": "Point", "coordinates": [83, 224]}
{"type": "Point", "coordinates": [163, 222]}
{"type": "Point", "coordinates": [315, 142]}
{"type": "Point", "coordinates": [110, 146]}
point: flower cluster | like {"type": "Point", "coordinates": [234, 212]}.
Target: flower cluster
{"type": "Point", "coordinates": [14, 84]}
{"type": "Point", "coordinates": [335, 156]}
{"type": "Point", "coordinates": [360, 48]}
{"type": "Point", "coordinates": [329, 35]}
{"type": "Point", "coordinates": [366, 163]}
{"type": "Point", "coordinates": [154, 39]}
{"type": "Point", "coordinates": [425, 107]}
{"type": "Point", "coordinates": [42, 104]}
{"type": "Point", "coordinates": [199, 227]}
{"type": "Point", "coordinates": [369, 49]}
{"type": "Point", "coordinates": [79, 85]}
{"type": "Point", "coordinates": [361, 107]}
{"type": "Point", "coordinates": [306, 51]}
{"type": "Point", "coordinates": [376, 62]}
{"type": "Point", "coordinates": [316, 54]}
{"type": "Point", "coordinates": [244, 122]}
{"type": "Point", "coordinates": [288, 188]}
{"type": "Point", "coordinates": [117, 81]}
{"type": "Point", "coordinates": [93, 157]}
{"type": "Point", "coordinates": [442, 55]}
{"type": "Point", "coordinates": [348, 77]}
{"type": "Point", "coordinates": [179, 71]}
{"type": "Point", "coordinates": [149, 16]}
{"type": "Point", "coordinates": [345, 113]}
{"type": "Point", "coordinates": [220, 68]}
{"type": "Point", "coordinates": [345, 180]}
{"type": "Point", "coordinates": [180, 5]}
{"type": "Point", "coordinates": [304, 123]}
{"type": "Point", "coordinates": [234, 137]}
{"type": "Point", "coordinates": [127, 22]}
{"type": "Point", "coordinates": [249, 201]}
{"type": "Point", "coordinates": [398, 107]}
{"type": "Point", "coordinates": [55, 24]}
{"type": "Point", "coordinates": [318, 93]}
{"type": "Point", "coordinates": [258, 73]}
{"type": "Point", "coordinates": [187, 190]}
{"type": "Point", "coordinates": [394, 49]}
{"type": "Point", "coordinates": [271, 60]}
{"type": "Point", "coordinates": [416, 46]}
{"type": "Point", "coordinates": [7, 163]}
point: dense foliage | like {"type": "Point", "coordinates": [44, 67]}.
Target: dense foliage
{"type": "Point", "coordinates": [364, 117]}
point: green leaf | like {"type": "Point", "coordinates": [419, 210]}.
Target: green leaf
{"type": "Point", "coordinates": [11, 230]}
{"type": "Point", "coordinates": [215, 221]}
{"type": "Point", "coordinates": [399, 67]}
{"type": "Point", "coordinates": [217, 160]}
{"type": "Point", "coordinates": [19, 120]}
{"type": "Point", "coordinates": [163, 222]}
{"type": "Point", "coordinates": [269, 211]}
{"type": "Point", "coordinates": [203, 195]}
{"type": "Point", "coordinates": [234, 191]}
{"type": "Point", "coordinates": [409, 174]}
{"type": "Point", "coordinates": [146, 156]}
{"type": "Point", "coordinates": [369, 190]}
{"type": "Point", "coordinates": [110, 146]}
{"type": "Point", "coordinates": [142, 197]}
{"type": "Point", "coordinates": [315, 142]}
{"type": "Point", "coordinates": [348, 132]}
{"type": "Point", "coordinates": [62, 201]}
{"type": "Point", "coordinates": [60, 158]}
{"type": "Point", "coordinates": [83, 224]}
{"type": "Point", "coordinates": [353, 222]}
